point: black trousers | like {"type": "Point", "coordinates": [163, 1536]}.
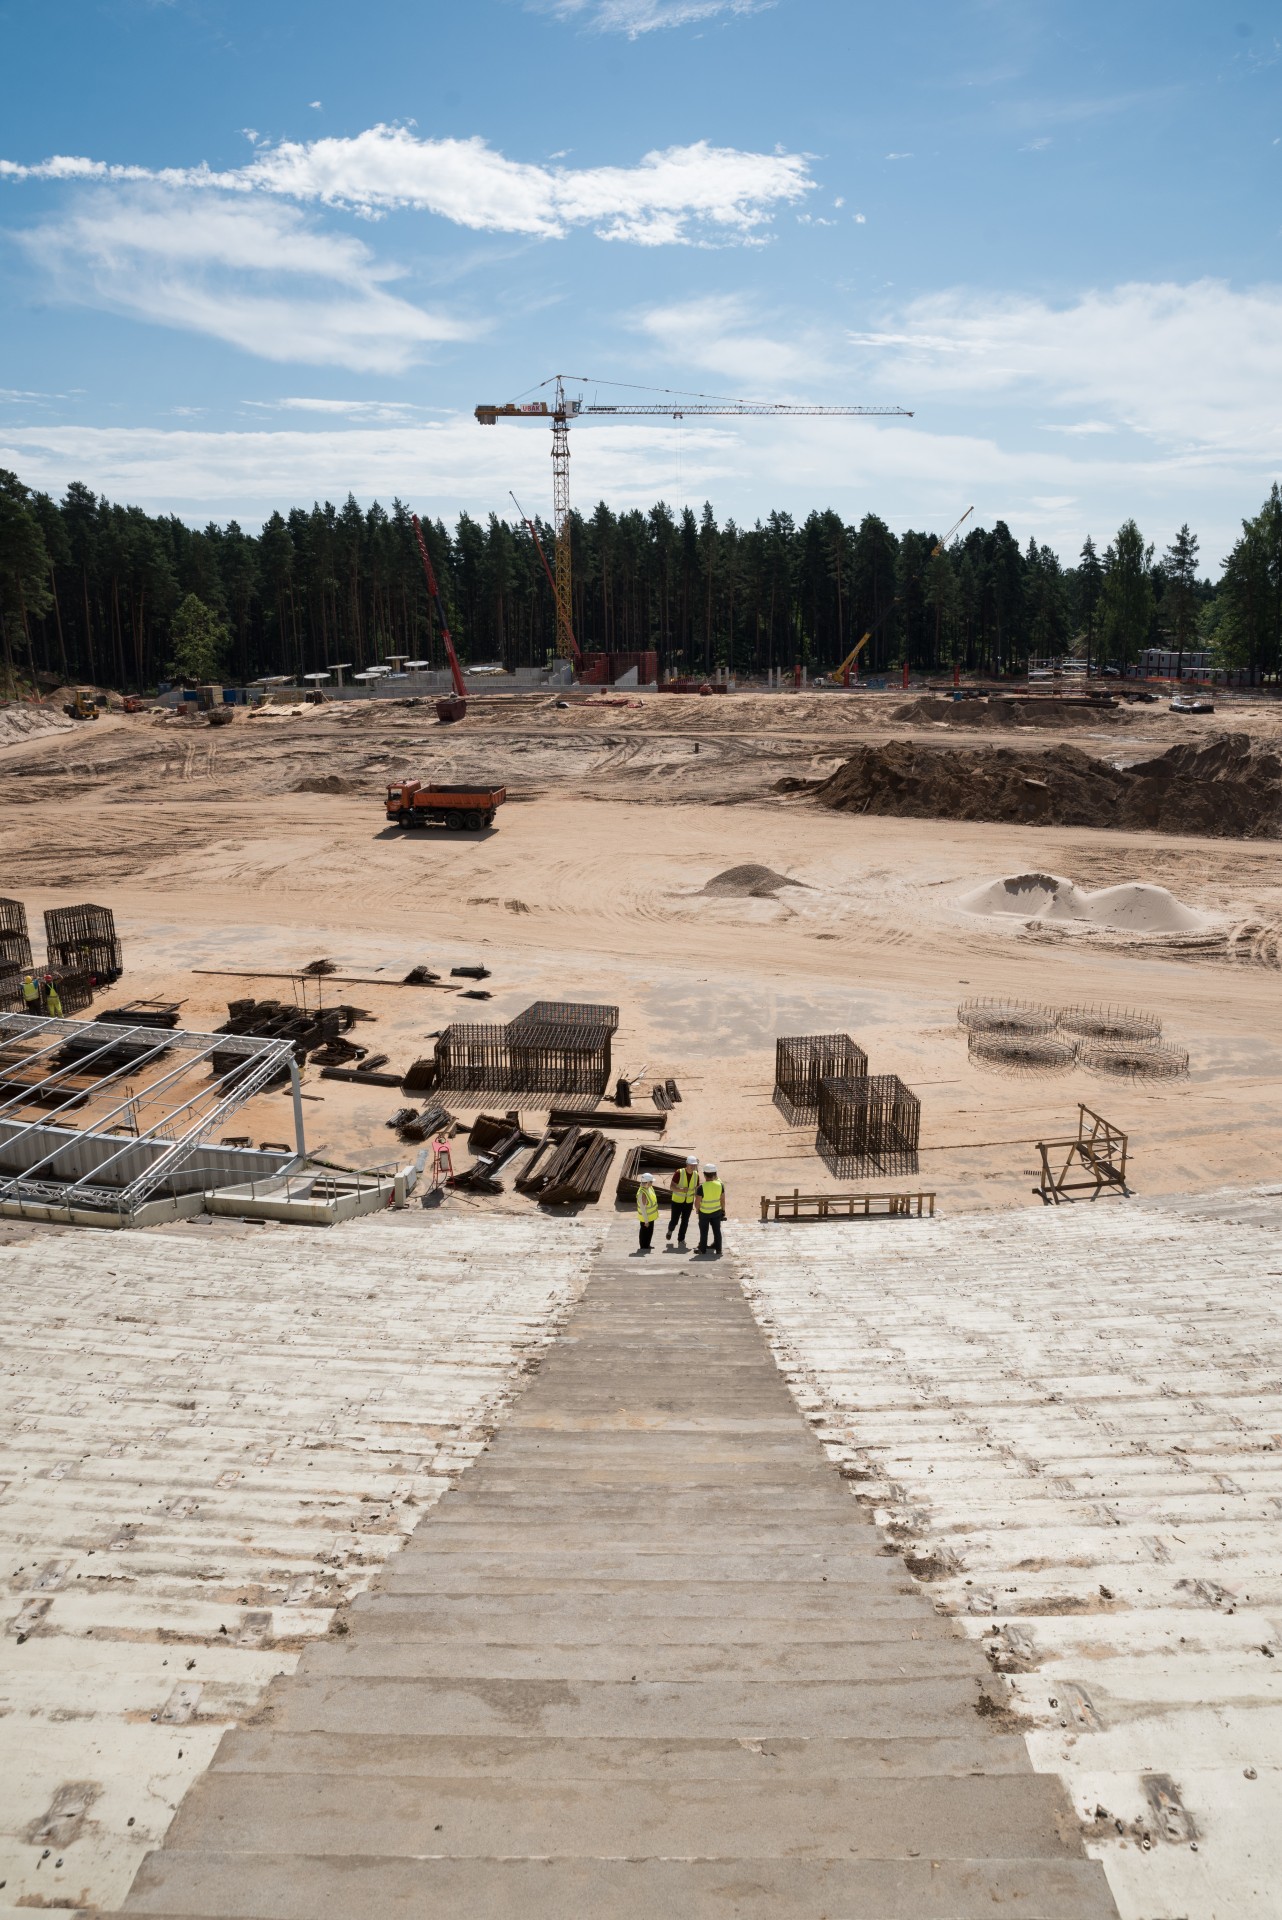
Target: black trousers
{"type": "Point", "coordinates": [710, 1221]}
{"type": "Point", "coordinates": [645, 1234]}
{"type": "Point", "coordinates": [679, 1220]}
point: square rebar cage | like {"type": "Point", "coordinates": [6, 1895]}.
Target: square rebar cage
{"type": "Point", "coordinates": [870, 1125]}
{"type": "Point", "coordinates": [84, 937]}
{"type": "Point", "coordinates": [803, 1060]}
{"type": "Point", "coordinates": [534, 1057]}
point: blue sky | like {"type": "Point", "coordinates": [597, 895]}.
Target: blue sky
{"type": "Point", "coordinates": [257, 254]}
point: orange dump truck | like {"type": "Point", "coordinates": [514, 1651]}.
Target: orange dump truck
{"type": "Point", "coordinates": [411, 803]}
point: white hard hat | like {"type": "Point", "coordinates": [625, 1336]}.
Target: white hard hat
{"type": "Point", "coordinates": [710, 1166]}
{"type": "Point", "coordinates": [692, 1159]}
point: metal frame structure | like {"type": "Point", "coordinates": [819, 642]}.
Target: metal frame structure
{"type": "Point", "coordinates": [868, 1125]}
{"type": "Point", "coordinates": [84, 937]}
{"type": "Point", "coordinates": [158, 1114]}
{"type": "Point", "coordinates": [803, 1061]}
{"type": "Point", "coordinates": [1098, 1153]}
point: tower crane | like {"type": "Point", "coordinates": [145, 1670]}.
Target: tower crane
{"type": "Point", "coordinates": [564, 407]}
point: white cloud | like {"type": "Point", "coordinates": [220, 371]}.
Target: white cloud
{"type": "Point", "coordinates": [724, 335]}
{"type": "Point", "coordinates": [635, 17]}
{"type": "Point", "coordinates": [679, 194]}
{"type": "Point", "coordinates": [912, 475]}
{"type": "Point", "coordinates": [1196, 367]}
{"type": "Point", "coordinates": [254, 274]}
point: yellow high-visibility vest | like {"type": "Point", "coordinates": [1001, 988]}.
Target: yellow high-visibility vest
{"type": "Point", "coordinates": [710, 1198]}
{"type": "Point", "coordinates": [30, 991]}
{"type": "Point", "coordinates": [685, 1186]}
{"type": "Point", "coordinates": [647, 1203]}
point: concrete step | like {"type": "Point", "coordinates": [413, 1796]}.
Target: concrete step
{"type": "Point", "coordinates": [726, 1708]}
{"type": "Point", "coordinates": [388, 1655]}
{"type": "Point", "coordinates": [315, 1814]}
{"type": "Point", "coordinates": [537, 1760]}
{"type": "Point", "coordinates": [573, 1620]}
{"type": "Point", "coordinates": [173, 1885]}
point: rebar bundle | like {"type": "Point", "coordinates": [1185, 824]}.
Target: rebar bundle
{"type": "Point", "coordinates": [84, 937]}
{"type": "Point", "coordinates": [803, 1061]}
{"type": "Point", "coordinates": [868, 1125]}
{"type": "Point", "coordinates": [566, 1013]}
{"type": "Point", "coordinates": [1022, 1052]}
{"type": "Point", "coordinates": [1134, 1060]}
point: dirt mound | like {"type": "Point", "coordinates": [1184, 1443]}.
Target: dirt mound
{"type": "Point", "coordinates": [1225, 788]}
{"type": "Point", "coordinates": [749, 882]}
{"type": "Point", "coordinates": [24, 722]}
{"type": "Point", "coordinates": [1005, 714]}
{"type": "Point", "coordinates": [324, 783]}
{"type": "Point", "coordinates": [1134, 907]}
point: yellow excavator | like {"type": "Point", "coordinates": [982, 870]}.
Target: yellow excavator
{"type": "Point", "coordinates": [848, 665]}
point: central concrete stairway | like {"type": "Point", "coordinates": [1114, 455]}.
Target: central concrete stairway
{"type": "Point", "coordinates": [648, 1662]}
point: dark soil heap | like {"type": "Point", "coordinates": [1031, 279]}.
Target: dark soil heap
{"type": "Point", "coordinates": [750, 882]}
{"type": "Point", "coordinates": [1224, 788]}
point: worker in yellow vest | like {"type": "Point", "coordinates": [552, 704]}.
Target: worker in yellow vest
{"type": "Point", "coordinates": [712, 1209]}
{"type": "Point", "coordinates": [53, 999]}
{"type": "Point", "coordinates": [647, 1211]}
{"type": "Point", "coordinates": [681, 1198]}
{"type": "Point", "coordinates": [30, 994]}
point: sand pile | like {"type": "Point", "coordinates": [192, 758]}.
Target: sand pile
{"type": "Point", "coordinates": [324, 783]}
{"type": "Point", "coordinates": [749, 882]}
{"type": "Point", "coordinates": [24, 722]}
{"type": "Point", "coordinates": [1134, 907]}
{"type": "Point", "coordinates": [1005, 715]}
{"type": "Point", "coordinates": [1225, 788]}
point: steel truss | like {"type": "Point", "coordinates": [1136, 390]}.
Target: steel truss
{"type": "Point", "coordinates": [181, 1121]}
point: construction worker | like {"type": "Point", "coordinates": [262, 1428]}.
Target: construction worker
{"type": "Point", "coordinates": [30, 994]}
{"type": "Point", "coordinates": [682, 1196]}
{"type": "Point", "coordinates": [53, 999]}
{"type": "Point", "coordinates": [712, 1209]}
{"type": "Point", "coordinates": [647, 1212]}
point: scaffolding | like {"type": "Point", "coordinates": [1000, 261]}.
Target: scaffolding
{"type": "Point", "coordinates": [84, 937]}
{"type": "Point", "coordinates": [803, 1061]}
{"type": "Point", "coordinates": [869, 1125]}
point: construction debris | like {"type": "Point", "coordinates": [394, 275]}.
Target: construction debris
{"type": "Point", "coordinates": [494, 1142]}
{"type": "Point", "coordinates": [420, 977]}
{"type": "Point", "coordinates": [363, 1076]}
{"type": "Point", "coordinates": [469, 973]}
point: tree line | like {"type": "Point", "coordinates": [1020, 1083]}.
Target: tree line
{"type": "Point", "coordinates": [105, 594]}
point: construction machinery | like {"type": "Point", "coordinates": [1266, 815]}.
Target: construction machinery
{"type": "Point", "coordinates": [849, 665]}
{"type": "Point", "coordinates": [941, 546]}
{"type": "Point", "coordinates": [415, 803]}
{"type": "Point", "coordinates": [454, 706]}
{"type": "Point", "coordinates": [563, 408]}
{"type": "Point", "coordinates": [83, 705]}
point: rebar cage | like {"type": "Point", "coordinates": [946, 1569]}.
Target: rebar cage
{"type": "Point", "coordinates": [530, 1055]}
{"type": "Point", "coordinates": [84, 937]}
{"type": "Point", "coordinates": [803, 1060]}
{"type": "Point", "coordinates": [868, 1125]}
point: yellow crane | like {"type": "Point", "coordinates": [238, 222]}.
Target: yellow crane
{"type": "Point", "coordinates": [941, 546]}
{"type": "Point", "coordinates": [564, 407]}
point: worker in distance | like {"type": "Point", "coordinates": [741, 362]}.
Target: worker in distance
{"type": "Point", "coordinates": [681, 1198]}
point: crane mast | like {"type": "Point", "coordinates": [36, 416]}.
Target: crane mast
{"type": "Point", "coordinates": [563, 409]}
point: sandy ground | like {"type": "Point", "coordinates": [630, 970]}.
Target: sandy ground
{"type": "Point", "coordinates": [591, 887]}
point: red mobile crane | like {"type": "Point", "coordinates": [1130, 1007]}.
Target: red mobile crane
{"type": "Point", "coordinates": [454, 706]}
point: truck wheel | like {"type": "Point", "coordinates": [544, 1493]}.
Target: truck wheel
{"type": "Point", "coordinates": [454, 822]}
{"type": "Point", "coordinates": [473, 822]}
